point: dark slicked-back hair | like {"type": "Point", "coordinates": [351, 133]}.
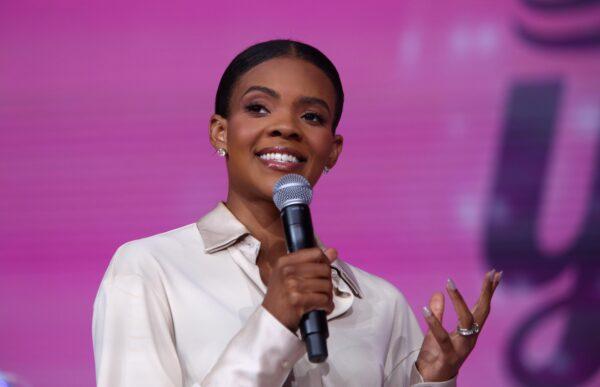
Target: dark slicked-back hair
{"type": "Point", "coordinates": [261, 52]}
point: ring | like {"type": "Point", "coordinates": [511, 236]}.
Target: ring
{"type": "Point", "coordinates": [468, 331]}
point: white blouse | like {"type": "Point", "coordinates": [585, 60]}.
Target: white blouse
{"type": "Point", "coordinates": [183, 308]}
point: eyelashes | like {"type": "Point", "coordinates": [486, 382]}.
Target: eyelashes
{"type": "Point", "coordinates": [316, 117]}
{"type": "Point", "coordinates": [255, 108]}
{"type": "Point", "coordinates": [259, 110]}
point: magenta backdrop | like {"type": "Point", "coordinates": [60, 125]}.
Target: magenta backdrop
{"type": "Point", "coordinates": [104, 113]}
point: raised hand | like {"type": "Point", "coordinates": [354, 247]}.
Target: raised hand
{"type": "Point", "coordinates": [443, 353]}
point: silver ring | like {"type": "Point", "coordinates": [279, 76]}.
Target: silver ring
{"type": "Point", "coordinates": [468, 331]}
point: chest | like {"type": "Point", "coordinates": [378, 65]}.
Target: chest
{"type": "Point", "coordinates": [210, 303]}
{"type": "Point", "coordinates": [356, 348]}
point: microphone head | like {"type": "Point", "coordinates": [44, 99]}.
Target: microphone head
{"type": "Point", "coordinates": [291, 189]}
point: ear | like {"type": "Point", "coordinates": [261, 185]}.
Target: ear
{"type": "Point", "coordinates": [217, 131]}
{"type": "Point", "coordinates": [336, 149]}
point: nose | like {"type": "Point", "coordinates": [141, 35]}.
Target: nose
{"type": "Point", "coordinates": [285, 129]}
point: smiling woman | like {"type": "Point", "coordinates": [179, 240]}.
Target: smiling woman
{"type": "Point", "coordinates": [219, 302]}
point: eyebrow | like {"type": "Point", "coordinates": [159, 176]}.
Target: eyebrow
{"type": "Point", "coordinates": [303, 100]}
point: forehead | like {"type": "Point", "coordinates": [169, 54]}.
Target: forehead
{"type": "Point", "coordinates": [290, 77]}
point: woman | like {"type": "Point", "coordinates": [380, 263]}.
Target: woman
{"type": "Point", "coordinates": [218, 302]}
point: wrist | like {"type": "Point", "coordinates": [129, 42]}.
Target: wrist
{"type": "Point", "coordinates": [428, 374]}
{"type": "Point", "coordinates": [281, 317]}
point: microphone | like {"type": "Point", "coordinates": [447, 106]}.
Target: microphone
{"type": "Point", "coordinates": [292, 194]}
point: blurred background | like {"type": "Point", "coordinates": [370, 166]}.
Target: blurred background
{"type": "Point", "coordinates": [472, 135]}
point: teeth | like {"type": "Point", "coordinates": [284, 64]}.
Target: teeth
{"type": "Point", "coordinates": [281, 157]}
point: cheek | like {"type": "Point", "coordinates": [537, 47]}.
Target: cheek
{"type": "Point", "coordinates": [321, 147]}
{"type": "Point", "coordinates": [320, 150]}
{"type": "Point", "coordinates": [242, 137]}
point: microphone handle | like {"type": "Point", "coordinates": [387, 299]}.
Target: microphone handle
{"type": "Point", "coordinates": [299, 234]}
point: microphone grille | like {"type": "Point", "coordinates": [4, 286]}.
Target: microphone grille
{"type": "Point", "coordinates": [291, 189]}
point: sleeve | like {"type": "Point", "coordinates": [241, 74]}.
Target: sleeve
{"type": "Point", "coordinates": [405, 345]}
{"type": "Point", "coordinates": [261, 354]}
{"type": "Point", "coordinates": [134, 340]}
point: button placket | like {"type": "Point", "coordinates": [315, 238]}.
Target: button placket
{"type": "Point", "coordinates": [243, 255]}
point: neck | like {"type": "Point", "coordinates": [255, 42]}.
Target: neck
{"type": "Point", "coordinates": [262, 219]}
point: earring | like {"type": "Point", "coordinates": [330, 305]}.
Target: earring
{"type": "Point", "coordinates": [326, 170]}
{"type": "Point", "coordinates": [222, 152]}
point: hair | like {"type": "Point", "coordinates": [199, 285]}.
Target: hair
{"type": "Point", "coordinates": [261, 52]}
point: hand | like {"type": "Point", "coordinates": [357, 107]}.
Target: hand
{"type": "Point", "coordinates": [443, 353]}
{"type": "Point", "coordinates": [300, 282]}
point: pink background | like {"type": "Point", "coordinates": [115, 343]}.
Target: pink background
{"type": "Point", "coordinates": [104, 111]}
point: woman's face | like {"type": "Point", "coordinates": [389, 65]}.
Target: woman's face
{"type": "Point", "coordinates": [280, 122]}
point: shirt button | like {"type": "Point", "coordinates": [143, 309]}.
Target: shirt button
{"type": "Point", "coordinates": [285, 364]}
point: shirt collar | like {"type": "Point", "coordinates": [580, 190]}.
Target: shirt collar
{"type": "Point", "coordinates": [220, 229]}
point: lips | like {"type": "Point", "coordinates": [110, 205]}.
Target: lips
{"type": "Point", "coordinates": [283, 151]}
{"type": "Point", "coordinates": [281, 158]}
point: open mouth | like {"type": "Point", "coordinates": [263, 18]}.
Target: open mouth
{"type": "Point", "coordinates": [281, 158]}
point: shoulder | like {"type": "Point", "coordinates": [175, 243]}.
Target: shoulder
{"type": "Point", "coordinates": [135, 280]}
{"type": "Point", "coordinates": [146, 256]}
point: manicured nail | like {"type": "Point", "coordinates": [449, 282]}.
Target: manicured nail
{"type": "Point", "coordinates": [491, 274]}
{"type": "Point", "coordinates": [426, 311]}
{"type": "Point", "coordinates": [500, 275]}
{"type": "Point", "coordinates": [450, 284]}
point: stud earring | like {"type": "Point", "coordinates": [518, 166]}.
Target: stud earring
{"type": "Point", "coordinates": [221, 152]}
{"type": "Point", "coordinates": [326, 170]}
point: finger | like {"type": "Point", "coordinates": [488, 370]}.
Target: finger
{"type": "Point", "coordinates": [309, 270]}
{"type": "Point", "coordinates": [437, 330]}
{"type": "Point", "coordinates": [482, 307]}
{"type": "Point", "coordinates": [496, 281]}
{"type": "Point", "coordinates": [485, 286]}
{"type": "Point", "coordinates": [436, 305]}
{"type": "Point", "coordinates": [465, 317]}
{"type": "Point", "coordinates": [313, 254]}
{"type": "Point", "coordinates": [316, 301]}
{"type": "Point", "coordinates": [323, 286]}
{"type": "Point", "coordinates": [331, 254]}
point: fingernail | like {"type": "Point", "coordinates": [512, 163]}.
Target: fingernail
{"type": "Point", "coordinates": [500, 275]}
{"type": "Point", "coordinates": [450, 284]}
{"type": "Point", "coordinates": [491, 274]}
{"type": "Point", "coordinates": [332, 256]}
{"type": "Point", "coordinates": [426, 311]}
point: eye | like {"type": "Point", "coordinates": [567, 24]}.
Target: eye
{"type": "Point", "coordinates": [314, 117]}
{"type": "Point", "coordinates": [256, 108]}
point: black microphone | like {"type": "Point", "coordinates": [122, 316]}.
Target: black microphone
{"type": "Point", "coordinates": [292, 195]}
